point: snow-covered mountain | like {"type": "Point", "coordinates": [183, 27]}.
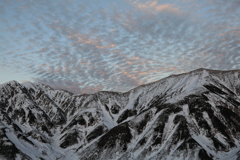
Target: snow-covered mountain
{"type": "Point", "coordinates": [194, 115]}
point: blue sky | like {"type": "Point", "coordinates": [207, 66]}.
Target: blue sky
{"type": "Point", "coordinates": [85, 46]}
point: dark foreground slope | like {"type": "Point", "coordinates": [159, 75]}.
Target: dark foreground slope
{"type": "Point", "coordinates": [195, 115]}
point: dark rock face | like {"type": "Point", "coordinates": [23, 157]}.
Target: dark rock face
{"type": "Point", "coordinates": [120, 134]}
{"type": "Point", "coordinates": [190, 116]}
{"type": "Point", "coordinates": [115, 109]}
{"type": "Point", "coordinates": [127, 113]}
{"type": "Point", "coordinates": [69, 139]}
{"type": "Point", "coordinates": [98, 131]}
{"type": "Point", "coordinates": [7, 148]}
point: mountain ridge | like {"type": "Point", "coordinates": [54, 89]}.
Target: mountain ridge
{"type": "Point", "coordinates": [193, 115]}
{"type": "Point", "coordinates": [196, 70]}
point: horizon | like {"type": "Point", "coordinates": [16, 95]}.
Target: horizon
{"type": "Point", "coordinates": [199, 69]}
{"type": "Point", "coordinates": [89, 46]}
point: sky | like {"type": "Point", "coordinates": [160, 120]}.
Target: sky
{"type": "Point", "coordinates": [85, 46]}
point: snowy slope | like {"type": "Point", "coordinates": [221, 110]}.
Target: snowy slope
{"type": "Point", "coordinates": [194, 115]}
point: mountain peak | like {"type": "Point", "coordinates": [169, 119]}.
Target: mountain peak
{"type": "Point", "coordinates": [13, 82]}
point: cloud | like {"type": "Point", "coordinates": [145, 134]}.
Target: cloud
{"type": "Point", "coordinates": [154, 7]}
{"type": "Point", "coordinates": [117, 45]}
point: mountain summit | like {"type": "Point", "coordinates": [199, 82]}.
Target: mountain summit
{"type": "Point", "coordinates": [194, 115]}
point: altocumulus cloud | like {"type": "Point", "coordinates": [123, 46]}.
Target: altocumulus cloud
{"type": "Point", "coordinates": [87, 46]}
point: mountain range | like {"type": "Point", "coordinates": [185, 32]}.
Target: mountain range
{"type": "Point", "coordinates": [195, 115]}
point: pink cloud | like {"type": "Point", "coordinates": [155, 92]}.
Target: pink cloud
{"type": "Point", "coordinates": [151, 7]}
